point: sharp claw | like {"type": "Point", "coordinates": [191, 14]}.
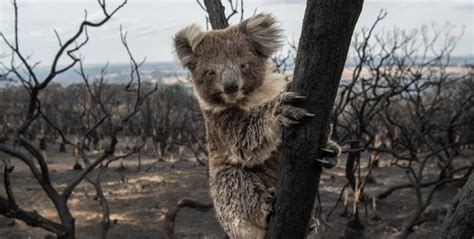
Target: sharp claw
{"type": "Point", "coordinates": [289, 122]}
{"type": "Point", "coordinates": [328, 155]}
{"type": "Point", "coordinates": [326, 163]}
{"type": "Point", "coordinates": [327, 150]}
{"type": "Point", "coordinates": [328, 158]}
{"type": "Point", "coordinates": [309, 114]}
{"type": "Point", "coordinates": [300, 97]}
{"type": "Point", "coordinates": [293, 122]}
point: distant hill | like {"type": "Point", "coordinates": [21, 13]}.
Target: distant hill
{"type": "Point", "coordinates": [453, 61]}
{"type": "Point", "coordinates": [157, 71]}
{"type": "Point", "coordinates": [116, 73]}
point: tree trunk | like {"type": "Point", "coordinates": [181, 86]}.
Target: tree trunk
{"type": "Point", "coordinates": [216, 13]}
{"type": "Point", "coordinates": [322, 52]}
{"type": "Point", "coordinates": [42, 143]}
{"type": "Point", "coordinates": [352, 157]}
{"type": "Point", "coordinates": [459, 222]}
{"type": "Point", "coordinates": [62, 147]}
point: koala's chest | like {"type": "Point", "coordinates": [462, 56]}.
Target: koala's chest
{"type": "Point", "coordinates": [264, 174]}
{"type": "Point", "coordinates": [224, 151]}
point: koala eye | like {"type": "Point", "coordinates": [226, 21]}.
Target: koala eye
{"type": "Point", "coordinates": [244, 66]}
{"type": "Point", "coordinates": [210, 73]}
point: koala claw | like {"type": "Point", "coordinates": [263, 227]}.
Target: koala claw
{"type": "Point", "coordinates": [327, 162]}
{"type": "Point", "coordinates": [314, 226]}
{"type": "Point", "coordinates": [287, 122]}
{"type": "Point", "coordinates": [329, 157]}
{"type": "Point", "coordinates": [327, 152]}
{"type": "Point", "coordinates": [291, 97]}
{"type": "Point", "coordinates": [298, 97]}
{"type": "Point", "coordinates": [289, 114]}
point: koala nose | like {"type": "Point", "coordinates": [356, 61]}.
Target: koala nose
{"type": "Point", "coordinates": [230, 82]}
{"type": "Point", "coordinates": [230, 87]}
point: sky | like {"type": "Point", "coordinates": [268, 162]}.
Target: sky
{"type": "Point", "coordinates": [151, 24]}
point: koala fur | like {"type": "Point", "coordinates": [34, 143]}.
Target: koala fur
{"type": "Point", "coordinates": [245, 107]}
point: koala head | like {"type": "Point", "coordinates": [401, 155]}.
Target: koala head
{"type": "Point", "coordinates": [228, 65]}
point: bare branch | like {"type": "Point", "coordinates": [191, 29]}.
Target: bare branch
{"type": "Point", "coordinates": [170, 217]}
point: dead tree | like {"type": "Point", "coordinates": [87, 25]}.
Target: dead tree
{"type": "Point", "coordinates": [436, 103]}
{"type": "Point", "coordinates": [322, 52]}
{"type": "Point", "coordinates": [459, 222]}
{"type": "Point", "coordinates": [31, 155]}
{"type": "Point", "coordinates": [216, 14]}
{"type": "Point", "coordinates": [362, 98]}
{"type": "Point", "coordinates": [422, 142]}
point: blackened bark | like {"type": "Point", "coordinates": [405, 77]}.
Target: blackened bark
{"type": "Point", "coordinates": [32, 219]}
{"type": "Point", "coordinates": [216, 12]}
{"type": "Point", "coordinates": [459, 222]}
{"type": "Point", "coordinates": [62, 147]}
{"type": "Point", "coordinates": [322, 52]}
{"type": "Point", "coordinates": [42, 143]}
{"type": "Point", "coordinates": [352, 157]}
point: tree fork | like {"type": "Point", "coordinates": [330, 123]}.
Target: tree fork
{"type": "Point", "coordinates": [322, 52]}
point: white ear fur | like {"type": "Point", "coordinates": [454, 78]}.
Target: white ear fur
{"type": "Point", "coordinates": [185, 42]}
{"type": "Point", "coordinates": [264, 32]}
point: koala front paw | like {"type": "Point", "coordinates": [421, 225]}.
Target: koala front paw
{"type": "Point", "coordinates": [328, 159]}
{"type": "Point", "coordinates": [287, 113]}
{"type": "Point", "coordinates": [330, 154]}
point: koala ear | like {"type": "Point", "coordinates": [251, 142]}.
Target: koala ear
{"type": "Point", "coordinates": [264, 32]}
{"type": "Point", "coordinates": [185, 42]}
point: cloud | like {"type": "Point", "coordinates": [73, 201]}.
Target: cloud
{"type": "Point", "coordinates": [464, 7]}
{"type": "Point", "coordinates": [151, 24]}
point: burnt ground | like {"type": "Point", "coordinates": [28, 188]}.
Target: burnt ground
{"type": "Point", "coordinates": [139, 200]}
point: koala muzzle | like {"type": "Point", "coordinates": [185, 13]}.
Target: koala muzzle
{"type": "Point", "coordinates": [230, 81]}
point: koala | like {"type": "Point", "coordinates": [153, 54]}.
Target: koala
{"type": "Point", "coordinates": [245, 107]}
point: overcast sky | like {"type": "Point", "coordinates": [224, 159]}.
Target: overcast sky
{"type": "Point", "coordinates": [151, 24]}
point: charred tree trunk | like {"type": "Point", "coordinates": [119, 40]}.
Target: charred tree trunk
{"type": "Point", "coordinates": [42, 143]}
{"type": "Point", "coordinates": [62, 147]}
{"type": "Point", "coordinates": [216, 13]}
{"type": "Point", "coordinates": [459, 222]}
{"type": "Point", "coordinates": [352, 157]}
{"type": "Point", "coordinates": [322, 52]}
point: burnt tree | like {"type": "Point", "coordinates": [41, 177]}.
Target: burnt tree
{"type": "Point", "coordinates": [38, 112]}
{"type": "Point", "coordinates": [459, 222]}
{"type": "Point", "coordinates": [322, 52]}
{"type": "Point", "coordinates": [216, 13]}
